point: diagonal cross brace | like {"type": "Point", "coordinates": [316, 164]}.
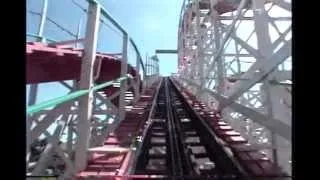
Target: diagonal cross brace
{"type": "Point", "coordinates": [107, 101]}
{"type": "Point", "coordinates": [268, 66]}
{"type": "Point", "coordinates": [47, 121]}
{"type": "Point", "coordinates": [277, 126]}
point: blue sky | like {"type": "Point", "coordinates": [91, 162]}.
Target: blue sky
{"type": "Point", "coordinates": [151, 24]}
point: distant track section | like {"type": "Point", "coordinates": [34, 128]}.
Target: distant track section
{"type": "Point", "coordinates": [178, 145]}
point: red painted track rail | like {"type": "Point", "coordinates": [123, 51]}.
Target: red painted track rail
{"type": "Point", "coordinates": [49, 64]}
{"type": "Point", "coordinates": [52, 63]}
{"type": "Point", "coordinates": [254, 162]}
{"type": "Point", "coordinates": [113, 159]}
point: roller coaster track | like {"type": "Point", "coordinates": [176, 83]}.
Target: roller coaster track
{"type": "Point", "coordinates": [159, 129]}
{"type": "Point", "coordinates": [180, 139]}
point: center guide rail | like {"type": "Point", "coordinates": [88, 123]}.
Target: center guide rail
{"type": "Point", "coordinates": [177, 145]}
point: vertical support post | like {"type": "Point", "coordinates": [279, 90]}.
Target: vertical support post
{"type": "Point", "coordinates": [78, 32]}
{"type": "Point", "coordinates": [153, 69]}
{"type": "Point", "coordinates": [158, 67]}
{"type": "Point", "coordinates": [157, 64]}
{"type": "Point", "coordinates": [199, 51]}
{"type": "Point", "coordinates": [237, 57]}
{"type": "Point", "coordinates": [143, 75]}
{"type": "Point", "coordinates": [33, 94]}
{"type": "Point", "coordinates": [32, 100]}
{"type": "Point", "coordinates": [144, 70]}
{"type": "Point", "coordinates": [75, 86]}
{"type": "Point", "coordinates": [218, 58]}
{"type": "Point", "coordinates": [147, 71]}
{"type": "Point", "coordinates": [151, 66]}
{"type": "Point", "coordinates": [270, 114]}
{"type": "Point", "coordinates": [86, 80]}
{"type": "Point", "coordinates": [148, 64]}
{"type": "Point", "coordinates": [137, 63]}
{"type": "Point", "coordinates": [137, 86]}
{"type": "Point", "coordinates": [28, 139]}
{"type": "Point", "coordinates": [123, 84]}
{"type": "Point", "coordinates": [70, 137]}
{"type": "Point", "coordinates": [43, 19]}
{"type": "Point", "coordinates": [34, 87]}
{"type": "Point", "coordinates": [262, 29]}
{"type": "Point", "coordinates": [199, 55]}
{"type": "Point", "coordinates": [225, 38]}
{"type": "Point", "coordinates": [193, 70]}
{"type": "Point", "coordinates": [264, 46]}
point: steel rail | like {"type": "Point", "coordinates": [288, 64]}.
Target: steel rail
{"type": "Point", "coordinates": [144, 133]}
{"type": "Point", "coordinates": [205, 127]}
{"type": "Point", "coordinates": [179, 159]}
{"type": "Point", "coordinates": [175, 153]}
{"type": "Point", "coordinates": [71, 96]}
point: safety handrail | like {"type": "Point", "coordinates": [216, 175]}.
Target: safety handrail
{"type": "Point", "coordinates": [53, 102]}
{"type": "Point", "coordinates": [114, 22]}
{"type": "Point", "coordinates": [137, 51]}
{"type": "Point", "coordinates": [40, 37]}
{"type": "Point", "coordinates": [108, 16]}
